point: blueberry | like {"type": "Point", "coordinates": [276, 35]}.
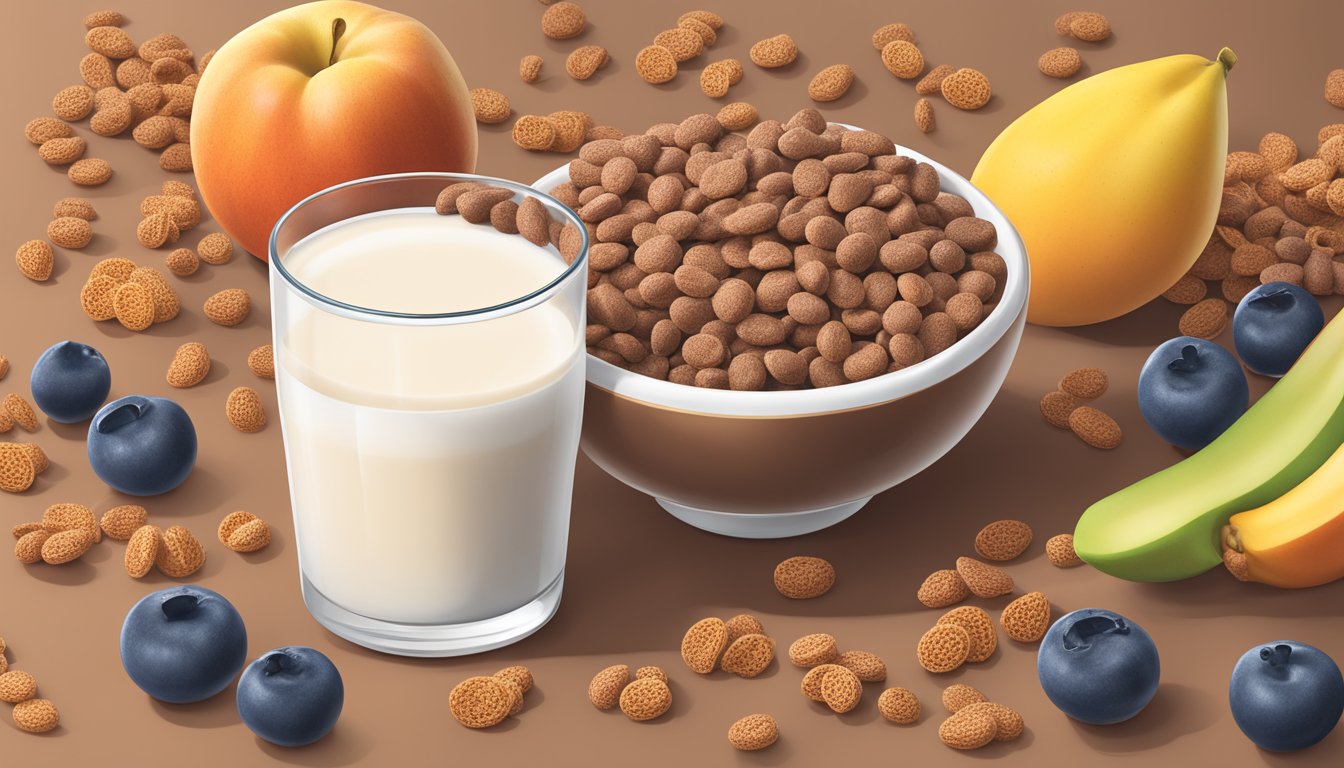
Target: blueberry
{"type": "Point", "coordinates": [1285, 695]}
{"type": "Point", "coordinates": [70, 381]}
{"type": "Point", "coordinates": [291, 696]}
{"type": "Point", "coordinates": [1273, 324]}
{"type": "Point", "coordinates": [183, 644]}
{"type": "Point", "coordinates": [1190, 390]}
{"type": "Point", "coordinates": [1098, 667]}
{"type": "Point", "coordinates": [141, 445]}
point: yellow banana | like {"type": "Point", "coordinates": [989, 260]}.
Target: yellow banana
{"type": "Point", "coordinates": [1297, 540]}
{"type": "Point", "coordinates": [1114, 184]}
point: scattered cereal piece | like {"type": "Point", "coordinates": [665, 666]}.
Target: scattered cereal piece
{"type": "Point", "coordinates": [645, 699]}
{"type": "Point", "coordinates": [37, 715]}
{"type": "Point", "coordinates": [743, 624]}
{"type": "Point", "coordinates": [985, 580]}
{"type": "Point", "coordinates": [62, 151]}
{"type": "Point", "coordinates": [180, 554]}
{"type": "Point", "coordinates": [142, 550]}
{"type": "Point", "coordinates": [774, 52]}
{"type": "Point", "coordinates": [16, 686]}
{"type": "Point", "coordinates": [753, 732]}
{"type": "Point", "coordinates": [737, 116]}
{"type": "Point", "coordinates": [1003, 540]}
{"type": "Point", "coordinates": [708, 18]}
{"type": "Point", "coordinates": [803, 577]}
{"type": "Point", "coordinates": [1060, 62]}
{"type": "Point", "coordinates": [529, 68]}
{"type": "Point", "coordinates": [749, 655]}
{"type": "Point", "coordinates": [959, 695]}
{"type": "Point", "coordinates": [182, 262]}
{"type": "Point", "coordinates": [811, 685]}
{"type": "Point", "coordinates": [35, 260]}
{"type": "Point", "coordinates": [703, 643]}
{"type": "Point", "coordinates": [1334, 88]}
{"type": "Point", "coordinates": [941, 589]}
{"type": "Point", "coordinates": [903, 59]}
{"type": "Point", "coordinates": [966, 89]}
{"type": "Point", "coordinates": [685, 44]}
{"type": "Point", "coordinates": [480, 702]}
{"type": "Point", "coordinates": [20, 411]}
{"type": "Point", "coordinates": [651, 671]}
{"type": "Point", "coordinates": [1085, 383]}
{"type": "Point", "coordinates": [811, 650]}
{"type": "Point", "coordinates": [35, 454]}
{"type": "Point", "coordinates": [831, 83]}
{"type": "Point", "coordinates": [533, 133]}
{"type": "Point", "coordinates": [1095, 428]}
{"type": "Point", "coordinates": [215, 248]}
{"type": "Point", "coordinates": [943, 648]}
{"type": "Point", "coordinates": [244, 410]}
{"type": "Point", "coordinates": [72, 103]}
{"type": "Point", "coordinates": [65, 546]}
{"type": "Point", "coordinates": [251, 536]}
{"type": "Point", "coordinates": [868, 667]}
{"type": "Point", "coordinates": [58, 518]}
{"type": "Point", "coordinates": [156, 230]}
{"type": "Point", "coordinates": [562, 21]}
{"type": "Point", "coordinates": [489, 105]}
{"type": "Point", "coordinates": [122, 521]}
{"type": "Point", "coordinates": [1187, 290]}
{"type": "Point", "coordinates": [655, 64]}
{"type": "Point", "coordinates": [261, 362]}
{"type": "Point", "coordinates": [228, 307]}
{"type": "Point", "coordinates": [1090, 27]}
{"type": "Point", "coordinates": [604, 691]}
{"type": "Point", "coordinates": [1009, 723]}
{"type": "Point", "coordinates": [581, 64]}
{"type": "Point", "coordinates": [103, 19]}
{"type": "Point", "coordinates": [890, 32]}
{"type": "Point", "coordinates": [924, 116]}
{"type": "Point", "coordinates": [718, 76]}
{"type": "Point", "coordinates": [899, 705]}
{"type": "Point", "coordinates": [1056, 407]}
{"type": "Point", "coordinates": [16, 469]}
{"type": "Point", "coordinates": [980, 628]}
{"type": "Point", "coordinates": [968, 729]}
{"type": "Point", "coordinates": [841, 689]}
{"type": "Point", "coordinates": [28, 550]}
{"type": "Point", "coordinates": [1059, 550]}
{"type": "Point", "coordinates": [517, 674]}
{"type": "Point", "coordinates": [190, 365]}
{"type": "Point", "coordinates": [1027, 618]}
{"type": "Point", "coordinates": [90, 172]}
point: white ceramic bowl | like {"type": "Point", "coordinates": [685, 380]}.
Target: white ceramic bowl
{"type": "Point", "coordinates": [782, 463]}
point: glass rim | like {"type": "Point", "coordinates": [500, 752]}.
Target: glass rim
{"type": "Point", "coordinates": [357, 312]}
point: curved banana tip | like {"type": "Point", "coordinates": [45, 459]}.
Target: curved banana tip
{"type": "Point", "coordinates": [1236, 564]}
{"type": "Point", "coordinates": [1228, 59]}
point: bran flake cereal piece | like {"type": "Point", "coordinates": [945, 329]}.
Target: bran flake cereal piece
{"type": "Point", "coordinates": [1003, 539]}
{"type": "Point", "coordinates": [1060, 62]}
{"type": "Point", "coordinates": [261, 362]}
{"type": "Point", "coordinates": [190, 365]}
{"type": "Point", "coordinates": [1095, 428]}
{"type": "Point", "coordinates": [814, 649]}
{"type": "Point", "coordinates": [903, 59]}
{"type": "Point", "coordinates": [1090, 27]}
{"type": "Point", "coordinates": [982, 579]}
{"type": "Point", "coordinates": [831, 83]}
{"type": "Point", "coordinates": [16, 686]}
{"type": "Point", "coordinates": [480, 702]}
{"type": "Point", "coordinates": [180, 554]}
{"type": "Point", "coordinates": [35, 260]}
{"type": "Point", "coordinates": [16, 469]}
{"type": "Point", "coordinates": [749, 655]}
{"type": "Point", "coordinates": [655, 64]}
{"type": "Point", "coordinates": [65, 546]}
{"type": "Point", "coordinates": [980, 628]}
{"type": "Point", "coordinates": [959, 695]}
{"type": "Point", "coordinates": [685, 44]}
{"type": "Point", "coordinates": [36, 715]}
{"type": "Point", "coordinates": [841, 689]}
{"type": "Point", "coordinates": [604, 690]}
{"type": "Point", "coordinates": [584, 61]}
{"type": "Point", "coordinates": [534, 133]}
{"type": "Point", "coordinates": [943, 648]}
{"type": "Point", "coordinates": [753, 732]}
{"type": "Point", "coordinates": [941, 589]}
{"type": "Point", "coordinates": [1059, 550]}
{"type": "Point", "coordinates": [89, 172]}
{"type": "Point", "coordinates": [228, 307]}
{"type": "Point", "coordinates": [899, 705]}
{"type": "Point", "coordinates": [803, 577]}
{"type": "Point", "coordinates": [252, 536]}
{"type": "Point", "coordinates": [774, 52]}
{"type": "Point", "coordinates": [182, 262]}
{"type": "Point", "coordinates": [1027, 618]}
{"type": "Point", "coordinates": [703, 643]}
{"type": "Point", "coordinates": [966, 89]}
{"type": "Point", "coordinates": [645, 699]}
{"type": "Point", "coordinates": [489, 106]}
{"type": "Point", "coordinates": [122, 521]}
{"type": "Point", "coordinates": [142, 550]}
{"type": "Point", "coordinates": [562, 21]}
{"type": "Point", "coordinates": [244, 410]}
{"type": "Point", "coordinates": [968, 729]}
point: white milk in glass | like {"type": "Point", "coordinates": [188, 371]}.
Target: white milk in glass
{"type": "Point", "coordinates": [424, 460]}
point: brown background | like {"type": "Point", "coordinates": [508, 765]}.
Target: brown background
{"type": "Point", "coordinates": [637, 577]}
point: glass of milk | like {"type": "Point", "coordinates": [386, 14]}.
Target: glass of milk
{"type": "Point", "coordinates": [430, 381]}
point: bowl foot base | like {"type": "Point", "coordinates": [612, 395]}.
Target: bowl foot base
{"type": "Point", "coordinates": [763, 526]}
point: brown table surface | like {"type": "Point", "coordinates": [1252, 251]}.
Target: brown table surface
{"type": "Point", "coordinates": [637, 577]}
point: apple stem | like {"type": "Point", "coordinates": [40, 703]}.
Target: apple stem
{"type": "Point", "coordinates": [337, 29]}
{"type": "Point", "coordinates": [122, 415]}
{"type": "Point", "coordinates": [1277, 656]}
{"type": "Point", "coordinates": [1079, 635]}
{"type": "Point", "coordinates": [278, 662]}
{"type": "Point", "coordinates": [180, 606]}
{"type": "Point", "coordinates": [1189, 361]}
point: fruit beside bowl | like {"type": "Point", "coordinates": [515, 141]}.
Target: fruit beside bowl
{"type": "Point", "coordinates": [1098, 667]}
{"type": "Point", "coordinates": [782, 463]}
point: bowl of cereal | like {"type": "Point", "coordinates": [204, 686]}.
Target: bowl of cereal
{"type": "Point", "coordinates": [782, 325]}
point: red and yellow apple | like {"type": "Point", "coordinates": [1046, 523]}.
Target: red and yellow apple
{"type": "Point", "coordinates": [316, 95]}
